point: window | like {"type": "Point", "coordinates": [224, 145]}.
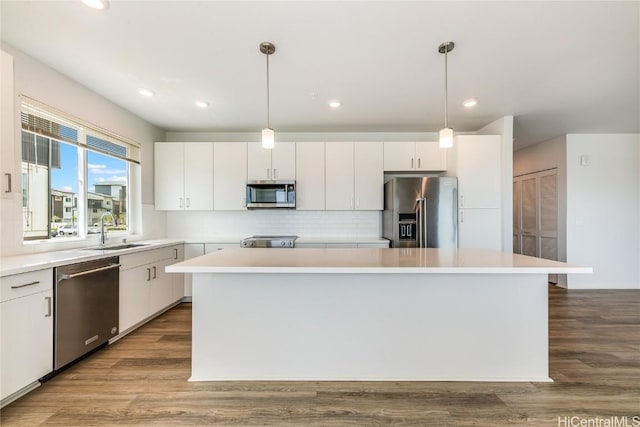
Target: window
{"type": "Point", "coordinates": [72, 173]}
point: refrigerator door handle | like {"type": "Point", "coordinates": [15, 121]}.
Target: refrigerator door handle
{"type": "Point", "coordinates": [424, 223]}
{"type": "Point", "coordinates": [419, 215]}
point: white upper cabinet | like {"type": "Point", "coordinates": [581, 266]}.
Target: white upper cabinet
{"type": "Point", "coordinates": [368, 176]}
{"type": "Point", "coordinates": [479, 171]}
{"type": "Point", "coordinates": [169, 176]}
{"type": "Point", "coordinates": [414, 156]}
{"type": "Point", "coordinates": [183, 176]}
{"type": "Point", "coordinates": [198, 176]}
{"type": "Point", "coordinates": [10, 181]}
{"type": "Point", "coordinates": [229, 176]}
{"type": "Point", "coordinates": [278, 163]}
{"type": "Point", "coordinates": [339, 172]}
{"type": "Point", "coordinates": [430, 157]}
{"type": "Point", "coordinates": [310, 176]}
{"type": "Point", "coordinates": [353, 175]}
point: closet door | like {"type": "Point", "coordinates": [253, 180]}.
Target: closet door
{"type": "Point", "coordinates": [549, 218]}
{"type": "Point", "coordinates": [517, 226]}
{"type": "Point", "coordinates": [535, 215]}
{"type": "Point", "coordinates": [530, 216]}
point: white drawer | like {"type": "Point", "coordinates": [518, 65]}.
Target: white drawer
{"type": "Point", "coordinates": [149, 257]}
{"type": "Point", "coordinates": [20, 285]}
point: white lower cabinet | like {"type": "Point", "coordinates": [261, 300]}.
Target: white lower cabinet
{"type": "Point", "coordinates": [145, 288]}
{"type": "Point", "coordinates": [480, 228]}
{"type": "Point", "coordinates": [26, 330]}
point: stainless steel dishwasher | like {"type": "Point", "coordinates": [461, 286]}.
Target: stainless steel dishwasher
{"type": "Point", "coordinates": [86, 308]}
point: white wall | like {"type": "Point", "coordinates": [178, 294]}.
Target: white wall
{"type": "Point", "coordinates": [603, 209]}
{"type": "Point", "coordinates": [504, 128]}
{"type": "Point", "coordinates": [38, 81]}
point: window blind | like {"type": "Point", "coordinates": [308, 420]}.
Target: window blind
{"type": "Point", "coordinates": [49, 122]}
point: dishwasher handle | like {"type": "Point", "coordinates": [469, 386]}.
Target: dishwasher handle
{"type": "Point", "coordinates": [84, 273]}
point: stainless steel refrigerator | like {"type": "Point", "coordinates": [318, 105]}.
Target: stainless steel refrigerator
{"type": "Point", "coordinates": [421, 212]}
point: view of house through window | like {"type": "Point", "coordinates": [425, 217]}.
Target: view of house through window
{"type": "Point", "coordinates": [71, 178]}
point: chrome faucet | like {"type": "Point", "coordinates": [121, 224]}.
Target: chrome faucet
{"type": "Point", "coordinates": [103, 233]}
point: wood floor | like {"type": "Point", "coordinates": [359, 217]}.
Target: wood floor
{"type": "Point", "coordinates": [142, 380]}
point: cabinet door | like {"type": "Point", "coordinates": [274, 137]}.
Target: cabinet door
{"type": "Point", "coordinates": [479, 171]}
{"type": "Point", "coordinates": [178, 278]}
{"type": "Point", "coordinates": [230, 176]}
{"type": "Point", "coordinates": [258, 162]}
{"type": "Point", "coordinates": [160, 287]}
{"type": "Point", "coordinates": [283, 161]}
{"type": "Point", "coordinates": [169, 175]}
{"type": "Point", "coordinates": [399, 156]}
{"type": "Point", "coordinates": [430, 157]}
{"type": "Point", "coordinates": [27, 341]}
{"type": "Point", "coordinates": [368, 175]}
{"type": "Point", "coordinates": [134, 296]}
{"type": "Point", "coordinates": [339, 176]}
{"type": "Point", "coordinates": [10, 181]}
{"type": "Point", "coordinates": [198, 176]}
{"type": "Point", "coordinates": [480, 228]}
{"type": "Point", "coordinates": [310, 176]}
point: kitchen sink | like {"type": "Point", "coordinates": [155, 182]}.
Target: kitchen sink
{"type": "Point", "coordinates": [117, 247]}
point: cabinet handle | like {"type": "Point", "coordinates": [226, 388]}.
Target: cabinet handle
{"type": "Point", "coordinates": [181, 203]}
{"type": "Point", "coordinates": [461, 217]}
{"type": "Point", "coordinates": [188, 202]}
{"type": "Point", "coordinates": [154, 272]}
{"type": "Point", "coordinates": [461, 200]}
{"type": "Point", "coordinates": [268, 173]}
{"type": "Point", "coordinates": [175, 253]}
{"type": "Point", "coordinates": [148, 274]}
{"type": "Point", "coordinates": [48, 299]}
{"type": "Point", "coordinates": [8, 190]}
{"type": "Point", "coordinates": [26, 284]}
{"type": "Point", "coordinates": [418, 162]}
{"type": "Point", "coordinates": [412, 163]}
{"type": "Point", "coordinates": [274, 173]}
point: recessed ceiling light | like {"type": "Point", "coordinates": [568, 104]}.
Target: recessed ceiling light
{"type": "Point", "coordinates": [335, 103]}
{"type": "Point", "coordinates": [202, 104]}
{"type": "Point", "coordinates": [470, 103]}
{"type": "Point", "coordinates": [97, 4]}
{"type": "Point", "coordinates": [146, 92]}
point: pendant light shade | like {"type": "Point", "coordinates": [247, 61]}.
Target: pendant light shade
{"type": "Point", "coordinates": [268, 134]}
{"type": "Point", "coordinates": [446, 138]}
{"type": "Point", "coordinates": [446, 133]}
{"type": "Point", "coordinates": [268, 138]}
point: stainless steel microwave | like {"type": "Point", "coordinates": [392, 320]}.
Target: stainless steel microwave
{"type": "Point", "coordinates": [271, 194]}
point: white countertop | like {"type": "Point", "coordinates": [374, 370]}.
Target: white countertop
{"type": "Point", "coordinates": [371, 260]}
{"type": "Point", "coordinates": [39, 261]}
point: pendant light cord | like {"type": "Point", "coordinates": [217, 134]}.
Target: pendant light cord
{"type": "Point", "coordinates": [268, 125]}
{"type": "Point", "coordinates": [446, 50]}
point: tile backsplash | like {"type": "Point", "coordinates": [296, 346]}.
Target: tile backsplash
{"type": "Point", "coordinates": [208, 225]}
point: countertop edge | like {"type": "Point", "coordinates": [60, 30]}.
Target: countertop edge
{"type": "Point", "coordinates": [380, 270]}
{"type": "Point", "coordinates": [33, 262]}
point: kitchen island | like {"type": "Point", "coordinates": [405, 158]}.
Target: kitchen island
{"type": "Point", "coordinates": [370, 314]}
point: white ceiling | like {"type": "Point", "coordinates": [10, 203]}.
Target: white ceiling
{"type": "Point", "coordinates": [558, 67]}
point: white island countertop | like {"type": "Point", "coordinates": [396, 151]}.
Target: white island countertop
{"type": "Point", "coordinates": [371, 260]}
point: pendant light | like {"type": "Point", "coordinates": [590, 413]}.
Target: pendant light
{"type": "Point", "coordinates": [446, 133]}
{"type": "Point", "coordinates": [268, 135]}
